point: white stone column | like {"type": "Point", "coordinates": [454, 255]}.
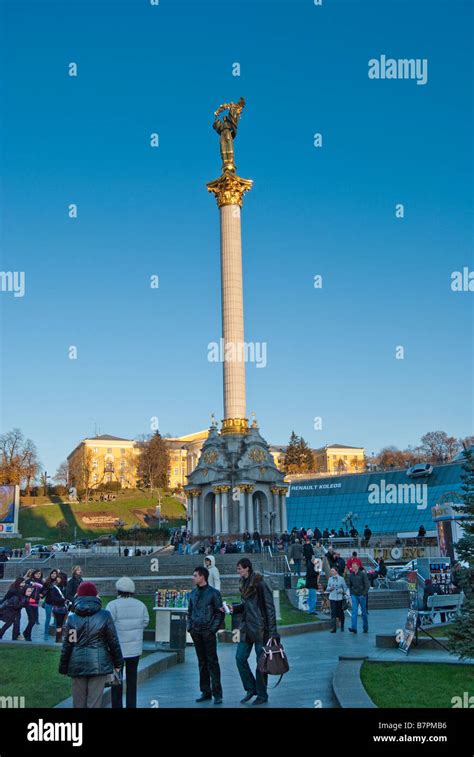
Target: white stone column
{"type": "Point", "coordinates": [225, 510]}
{"type": "Point", "coordinates": [276, 508]}
{"type": "Point", "coordinates": [232, 311]}
{"type": "Point", "coordinates": [217, 511]}
{"type": "Point", "coordinates": [283, 516]}
{"type": "Point", "coordinates": [250, 520]}
{"type": "Point", "coordinates": [195, 497]}
{"type": "Point", "coordinates": [242, 518]}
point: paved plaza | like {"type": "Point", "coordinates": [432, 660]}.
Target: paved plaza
{"type": "Point", "coordinates": [313, 659]}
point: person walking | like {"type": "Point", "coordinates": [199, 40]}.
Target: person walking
{"type": "Point", "coordinates": [34, 581]}
{"type": "Point", "coordinates": [367, 535]}
{"type": "Point", "coordinates": [308, 552]}
{"type": "Point", "coordinates": [295, 553]}
{"type": "Point", "coordinates": [352, 560]}
{"type": "Point", "coordinates": [256, 541]}
{"type": "Point", "coordinates": [91, 649]}
{"type": "Point", "coordinates": [73, 583]}
{"type": "Point", "coordinates": [47, 601]}
{"type": "Point", "coordinates": [10, 608]}
{"type": "Point", "coordinates": [60, 605]}
{"type": "Point", "coordinates": [130, 617]}
{"type": "Point", "coordinates": [359, 588]}
{"type": "Point", "coordinates": [339, 563]}
{"type": "Point", "coordinates": [312, 580]}
{"type": "Point", "coordinates": [337, 590]}
{"type": "Point", "coordinates": [214, 579]}
{"type": "Point", "coordinates": [204, 619]}
{"type": "Point", "coordinates": [257, 626]}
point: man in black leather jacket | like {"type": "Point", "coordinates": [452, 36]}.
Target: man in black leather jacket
{"type": "Point", "coordinates": [91, 649]}
{"type": "Point", "coordinates": [204, 618]}
{"type": "Point", "coordinates": [258, 625]}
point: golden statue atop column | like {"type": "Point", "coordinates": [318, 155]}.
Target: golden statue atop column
{"type": "Point", "coordinates": [228, 188]}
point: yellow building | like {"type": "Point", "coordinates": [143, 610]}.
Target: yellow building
{"type": "Point", "coordinates": [184, 452]}
{"type": "Point", "coordinates": [339, 458]}
{"type": "Point", "coordinates": [333, 458]}
{"type": "Point", "coordinates": [103, 459]}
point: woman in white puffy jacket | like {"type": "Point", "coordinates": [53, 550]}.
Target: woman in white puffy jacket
{"type": "Point", "coordinates": [131, 618]}
{"type": "Point", "coordinates": [214, 579]}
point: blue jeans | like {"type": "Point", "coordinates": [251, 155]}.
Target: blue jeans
{"type": "Point", "coordinates": [312, 598]}
{"type": "Point", "coordinates": [252, 683]}
{"type": "Point", "coordinates": [297, 567]}
{"type": "Point", "coordinates": [362, 601]}
{"type": "Point", "coordinates": [48, 610]}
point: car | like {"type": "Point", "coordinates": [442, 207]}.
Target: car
{"type": "Point", "coordinates": [419, 470]}
{"type": "Point", "coordinates": [39, 548]}
{"type": "Point", "coordinates": [60, 546]}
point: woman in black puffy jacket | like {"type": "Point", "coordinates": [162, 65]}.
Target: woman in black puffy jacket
{"type": "Point", "coordinates": [91, 649]}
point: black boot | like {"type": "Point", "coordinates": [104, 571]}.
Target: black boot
{"type": "Point", "coordinates": [342, 624]}
{"type": "Point", "coordinates": [334, 625]}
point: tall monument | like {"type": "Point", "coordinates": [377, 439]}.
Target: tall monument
{"type": "Point", "coordinates": [236, 485]}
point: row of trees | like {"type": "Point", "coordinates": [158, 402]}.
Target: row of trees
{"type": "Point", "coordinates": [435, 447]}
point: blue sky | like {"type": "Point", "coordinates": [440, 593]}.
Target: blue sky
{"type": "Point", "coordinates": [144, 211]}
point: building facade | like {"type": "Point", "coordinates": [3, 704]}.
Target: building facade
{"type": "Point", "coordinates": [103, 459]}
{"type": "Point", "coordinates": [389, 502]}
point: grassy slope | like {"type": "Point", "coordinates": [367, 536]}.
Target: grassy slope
{"type": "Point", "coordinates": [41, 521]}
{"type": "Point", "coordinates": [416, 685]}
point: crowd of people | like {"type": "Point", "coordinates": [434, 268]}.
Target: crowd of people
{"type": "Point", "coordinates": [97, 643]}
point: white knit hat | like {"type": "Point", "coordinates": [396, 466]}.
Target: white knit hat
{"type": "Point", "coordinates": [126, 585]}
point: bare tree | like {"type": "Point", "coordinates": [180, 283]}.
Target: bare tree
{"type": "Point", "coordinates": [62, 473]}
{"type": "Point", "coordinates": [439, 447]}
{"type": "Point", "coordinates": [18, 459]}
{"type": "Point", "coordinates": [82, 471]}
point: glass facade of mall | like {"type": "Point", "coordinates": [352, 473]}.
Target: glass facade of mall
{"type": "Point", "coordinates": [380, 500]}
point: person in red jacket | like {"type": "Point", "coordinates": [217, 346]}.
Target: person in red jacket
{"type": "Point", "coordinates": [354, 560]}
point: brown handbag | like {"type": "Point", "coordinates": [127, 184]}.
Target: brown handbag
{"type": "Point", "coordinates": [273, 660]}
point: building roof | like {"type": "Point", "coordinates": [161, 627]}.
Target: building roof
{"type": "Point", "coordinates": [107, 438]}
{"type": "Point", "coordinates": [340, 446]}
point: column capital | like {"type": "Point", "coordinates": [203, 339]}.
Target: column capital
{"type": "Point", "coordinates": [275, 489]}
{"type": "Point", "coordinates": [229, 189]}
{"type": "Point", "coordinates": [235, 426]}
{"type": "Point", "coordinates": [283, 489]}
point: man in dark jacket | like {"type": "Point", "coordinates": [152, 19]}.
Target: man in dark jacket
{"type": "Point", "coordinates": [204, 618]}
{"type": "Point", "coordinates": [257, 626]}
{"type": "Point", "coordinates": [91, 649]}
{"type": "Point", "coordinates": [367, 535]}
{"type": "Point", "coordinates": [308, 552]}
{"type": "Point", "coordinates": [339, 563]}
{"type": "Point", "coordinates": [73, 583]}
{"type": "Point", "coordinates": [359, 588]}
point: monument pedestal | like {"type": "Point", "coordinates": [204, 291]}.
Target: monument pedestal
{"type": "Point", "coordinates": [236, 487]}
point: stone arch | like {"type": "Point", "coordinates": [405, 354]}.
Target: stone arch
{"type": "Point", "coordinates": [208, 521]}
{"type": "Point", "coordinates": [260, 507]}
